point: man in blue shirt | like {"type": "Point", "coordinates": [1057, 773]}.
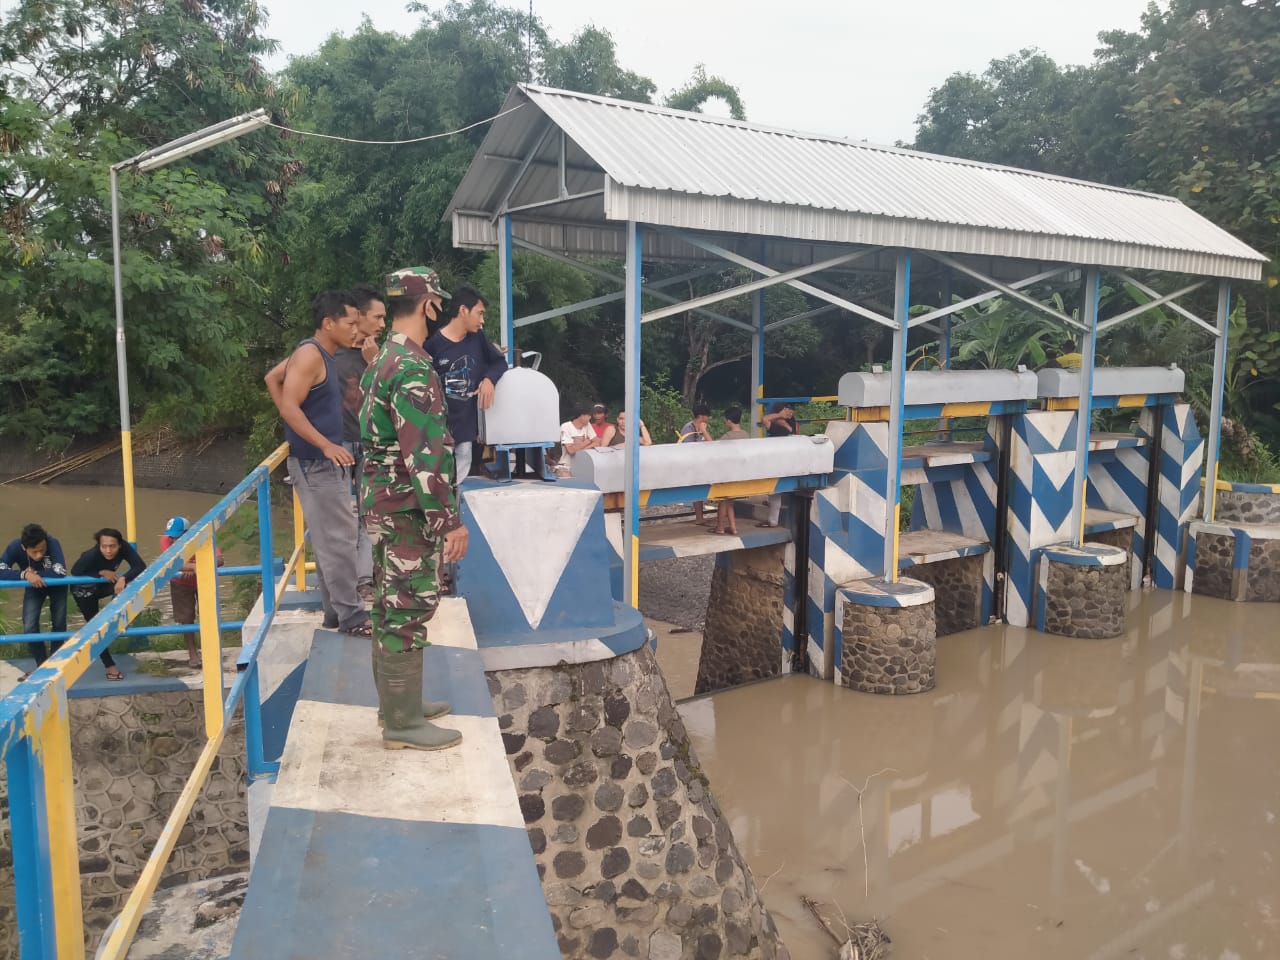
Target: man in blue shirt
{"type": "Point", "coordinates": [32, 557]}
{"type": "Point", "coordinates": [469, 367]}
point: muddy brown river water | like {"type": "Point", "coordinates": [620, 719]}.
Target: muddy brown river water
{"type": "Point", "coordinates": [1050, 798]}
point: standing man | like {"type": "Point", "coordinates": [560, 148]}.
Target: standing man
{"type": "Point", "coordinates": [32, 557]}
{"type": "Point", "coordinates": [310, 403]}
{"type": "Point", "coordinates": [780, 421]}
{"type": "Point", "coordinates": [469, 367]}
{"type": "Point", "coordinates": [410, 509]}
{"type": "Point", "coordinates": [351, 363]}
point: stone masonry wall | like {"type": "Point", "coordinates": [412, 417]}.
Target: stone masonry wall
{"type": "Point", "coordinates": [1236, 507]}
{"type": "Point", "coordinates": [635, 857]}
{"type": "Point", "coordinates": [957, 592]}
{"type": "Point", "coordinates": [1264, 572]}
{"type": "Point", "coordinates": [742, 639]}
{"type": "Point", "coordinates": [1123, 539]}
{"type": "Point", "coordinates": [131, 756]}
{"type": "Point", "coordinates": [1214, 576]}
{"type": "Point", "coordinates": [1085, 602]}
{"type": "Point", "coordinates": [888, 649]}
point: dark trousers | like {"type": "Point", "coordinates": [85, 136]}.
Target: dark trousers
{"type": "Point", "coordinates": [32, 603]}
{"type": "Point", "coordinates": [87, 598]}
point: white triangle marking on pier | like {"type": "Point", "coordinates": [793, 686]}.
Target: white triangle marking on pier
{"type": "Point", "coordinates": [532, 552]}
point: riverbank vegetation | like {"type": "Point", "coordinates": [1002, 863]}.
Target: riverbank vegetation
{"type": "Point", "coordinates": [223, 251]}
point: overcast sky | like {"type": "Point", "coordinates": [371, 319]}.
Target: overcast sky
{"type": "Point", "coordinates": [847, 68]}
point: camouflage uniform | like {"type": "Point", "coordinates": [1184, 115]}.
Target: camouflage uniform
{"type": "Point", "coordinates": [408, 498]}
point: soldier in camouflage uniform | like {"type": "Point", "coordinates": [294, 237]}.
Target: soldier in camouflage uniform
{"type": "Point", "coordinates": [410, 508]}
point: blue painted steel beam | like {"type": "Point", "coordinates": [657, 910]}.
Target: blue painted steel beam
{"type": "Point", "coordinates": [1084, 410]}
{"type": "Point", "coordinates": [505, 297]}
{"type": "Point", "coordinates": [897, 397]}
{"type": "Point", "coordinates": [1213, 445]}
{"type": "Point", "coordinates": [631, 505]}
{"type": "Point", "coordinates": [670, 495]}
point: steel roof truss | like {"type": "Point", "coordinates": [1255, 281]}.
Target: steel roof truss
{"type": "Point", "coordinates": [1007, 290]}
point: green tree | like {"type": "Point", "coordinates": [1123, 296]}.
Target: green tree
{"type": "Point", "coordinates": [86, 83]}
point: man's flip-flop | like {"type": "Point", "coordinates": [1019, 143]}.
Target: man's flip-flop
{"type": "Point", "coordinates": [765, 523]}
{"type": "Point", "coordinates": [360, 630]}
{"type": "Point", "coordinates": [119, 676]}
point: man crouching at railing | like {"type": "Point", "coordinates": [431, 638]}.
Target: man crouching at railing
{"type": "Point", "coordinates": [410, 509]}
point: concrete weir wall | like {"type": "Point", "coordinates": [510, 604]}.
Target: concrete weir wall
{"type": "Point", "coordinates": [742, 639]}
{"type": "Point", "coordinates": [132, 755]}
{"type": "Point", "coordinates": [635, 857]}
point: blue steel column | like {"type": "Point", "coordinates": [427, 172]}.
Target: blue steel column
{"type": "Point", "coordinates": [504, 286]}
{"type": "Point", "coordinates": [897, 390]}
{"type": "Point", "coordinates": [757, 363]}
{"type": "Point", "coordinates": [1084, 408]}
{"type": "Point", "coordinates": [1215, 410]}
{"type": "Point", "coordinates": [631, 403]}
{"type": "Point", "coordinates": [29, 832]}
{"type": "Point", "coordinates": [266, 546]}
{"type": "Point", "coordinates": [944, 346]}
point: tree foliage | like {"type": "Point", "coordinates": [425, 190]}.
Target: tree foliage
{"type": "Point", "coordinates": [88, 83]}
{"type": "Point", "coordinates": [1187, 105]}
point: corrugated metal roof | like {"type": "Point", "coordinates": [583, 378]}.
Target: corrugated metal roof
{"type": "Point", "coordinates": [688, 170]}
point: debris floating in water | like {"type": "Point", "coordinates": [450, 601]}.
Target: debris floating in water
{"type": "Point", "coordinates": [864, 940]}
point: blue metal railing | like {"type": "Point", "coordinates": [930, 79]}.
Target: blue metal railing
{"type": "Point", "coordinates": [35, 734]}
{"type": "Point", "coordinates": [277, 566]}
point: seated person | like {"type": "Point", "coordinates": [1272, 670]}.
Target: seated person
{"type": "Point", "coordinates": [601, 425]}
{"type": "Point", "coordinates": [576, 435]}
{"type": "Point", "coordinates": [620, 434]}
{"type": "Point", "coordinates": [32, 557]}
{"type": "Point", "coordinates": [102, 560]}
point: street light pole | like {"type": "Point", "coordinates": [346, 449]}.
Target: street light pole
{"type": "Point", "coordinates": [144, 162]}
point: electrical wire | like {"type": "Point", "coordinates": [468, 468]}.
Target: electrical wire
{"type": "Point", "coordinates": [396, 143]}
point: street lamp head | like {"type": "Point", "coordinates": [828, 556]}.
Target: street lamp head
{"type": "Point", "coordinates": [167, 153]}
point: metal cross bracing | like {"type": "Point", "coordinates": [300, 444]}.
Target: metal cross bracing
{"type": "Point", "coordinates": [942, 320]}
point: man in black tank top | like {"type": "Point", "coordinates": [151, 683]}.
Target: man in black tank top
{"type": "Point", "coordinates": [310, 403]}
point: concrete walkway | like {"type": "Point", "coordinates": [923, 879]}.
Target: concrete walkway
{"type": "Point", "coordinates": [367, 852]}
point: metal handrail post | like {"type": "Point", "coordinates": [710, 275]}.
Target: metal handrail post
{"type": "Point", "coordinates": [266, 546]}
{"type": "Point", "coordinates": [299, 540]}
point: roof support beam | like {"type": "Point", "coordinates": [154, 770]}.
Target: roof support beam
{"type": "Point", "coordinates": [808, 288]}
{"type": "Point", "coordinates": [959, 305]}
{"type": "Point", "coordinates": [796, 318]}
{"type": "Point", "coordinates": [1142, 308]}
{"type": "Point", "coordinates": [754, 285]}
{"type": "Point", "coordinates": [1180, 310]}
{"type": "Point", "coordinates": [566, 198]}
{"type": "Point", "coordinates": [612, 297]}
{"type": "Point", "coordinates": [649, 289]}
{"type": "Point", "coordinates": [524, 168]}
{"type": "Point", "coordinates": [1009, 291]}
